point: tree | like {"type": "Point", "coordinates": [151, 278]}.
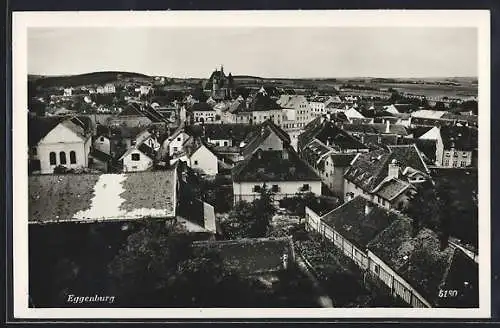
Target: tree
{"type": "Point", "coordinates": [424, 209]}
{"type": "Point", "coordinates": [439, 106]}
{"type": "Point", "coordinates": [250, 220]}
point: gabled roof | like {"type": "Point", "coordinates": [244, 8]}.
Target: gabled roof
{"type": "Point", "coordinates": [263, 102]}
{"type": "Point", "coordinates": [83, 197]}
{"type": "Point", "coordinates": [419, 260]}
{"type": "Point", "coordinates": [39, 127]}
{"type": "Point", "coordinates": [270, 166]}
{"type": "Point", "coordinates": [132, 109]}
{"type": "Point", "coordinates": [392, 188]}
{"type": "Point", "coordinates": [425, 113]}
{"type": "Point", "coordinates": [370, 169]}
{"type": "Point", "coordinates": [251, 256]}
{"type": "Point", "coordinates": [260, 134]}
{"type": "Point", "coordinates": [460, 138]}
{"type": "Point", "coordinates": [376, 128]}
{"type": "Point", "coordinates": [201, 107]}
{"type": "Point", "coordinates": [351, 221]}
{"type": "Point", "coordinates": [102, 156]}
{"type": "Point", "coordinates": [329, 134]}
{"type": "Point", "coordinates": [235, 132]}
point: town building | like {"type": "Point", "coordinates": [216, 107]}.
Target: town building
{"type": "Point", "coordinates": [281, 171]}
{"type": "Point", "coordinates": [329, 151]}
{"type": "Point", "coordinates": [106, 89]}
{"type": "Point", "coordinates": [386, 176]}
{"type": "Point", "coordinates": [455, 146]}
{"type": "Point", "coordinates": [413, 265]}
{"type": "Point", "coordinates": [219, 86]}
{"type": "Point", "coordinates": [142, 154]}
{"type": "Point", "coordinates": [203, 112]}
{"type": "Point", "coordinates": [58, 141]}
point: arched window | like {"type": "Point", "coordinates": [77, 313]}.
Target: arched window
{"type": "Point", "coordinates": [52, 156]}
{"type": "Point", "coordinates": [72, 157]}
{"type": "Point", "coordinates": [62, 158]}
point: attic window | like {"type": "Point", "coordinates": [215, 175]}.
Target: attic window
{"type": "Point", "coordinates": [136, 157]}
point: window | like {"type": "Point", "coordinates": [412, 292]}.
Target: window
{"type": "Point", "coordinates": [305, 187]}
{"type": "Point", "coordinates": [455, 164]}
{"type": "Point", "coordinates": [72, 157]}
{"type": "Point", "coordinates": [102, 139]}
{"type": "Point", "coordinates": [376, 268]}
{"type": "Point", "coordinates": [463, 164]}
{"type": "Point", "coordinates": [91, 161]}
{"type": "Point", "coordinates": [447, 154]}
{"type": "Point", "coordinates": [175, 149]}
{"type": "Point", "coordinates": [455, 154]}
{"type": "Point", "coordinates": [195, 162]}
{"type": "Point", "coordinates": [464, 154]}
{"type": "Point", "coordinates": [446, 162]}
{"type": "Point", "coordinates": [179, 139]}
{"type": "Point", "coordinates": [225, 143]}
{"type": "Point", "coordinates": [256, 188]}
{"type": "Point", "coordinates": [62, 158]}
{"type": "Point", "coordinates": [275, 188]}
{"type": "Point", "coordinates": [136, 157]}
{"type": "Point", "coordinates": [52, 158]}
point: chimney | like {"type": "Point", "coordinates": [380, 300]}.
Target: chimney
{"type": "Point", "coordinates": [393, 171]}
{"type": "Point", "coordinates": [368, 207]}
{"type": "Point", "coordinates": [387, 126]}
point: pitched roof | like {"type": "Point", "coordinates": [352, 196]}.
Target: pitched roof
{"type": "Point", "coordinates": [90, 197]}
{"type": "Point", "coordinates": [351, 221]}
{"type": "Point", "coordinates": [260, 134]}
{"type": "Point", "coordinates": [461, 138]}
{"type": "Point", "coordinates": [425, 113]}
{"type": "Point", "coordinates": [251, 256]}
{"type": "Point", "coordinates": [102, 156]}
{"type": "Point", "coordinates": [376, 128]}
{"type": "Point", "coordinates": [262, 102]}
{"type": "Point", "coordinates": [329, 134]}
{"type": "Point", "coordinates": [342, 160]}
{"type": "Point", "coordinates": [370, 169]}
{"type": "Point", "coordinates": [132, 109]}
{"type": "Point", "coordinates": [235, 132]}
{"type": "Point", "coordinates": [392, 188]}
{"type": "Point", "coordinates": [39, 127]}
{"type": "Point", "coordinates": [270, 166]}
{"type": "Point", "coordinates": [201, 107]}
{"type": "Point", "coordinates": [418, 259]}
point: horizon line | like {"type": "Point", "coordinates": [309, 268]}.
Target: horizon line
{"type": "Point", "coordinates": [263, 77]}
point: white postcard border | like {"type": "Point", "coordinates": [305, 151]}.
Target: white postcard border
{"type": "Point", "coordinates": [351, 18]}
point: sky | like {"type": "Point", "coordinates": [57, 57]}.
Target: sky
{"type": "Point", "coordinates": [280, 52]}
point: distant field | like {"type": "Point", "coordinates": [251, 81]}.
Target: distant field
{"type": "Point", "coordinates": [431, 90]}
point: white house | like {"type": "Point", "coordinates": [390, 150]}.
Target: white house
{"type": "Point", "coordinates": [203, 159]}
{"type": "Point", "coordinates": [107, 88]}
{"type": "Point", "coordinates": [68, 92]}
{"type": "Point", "coordinates": [141, 156]}
{"type": "Point", "coordinates": [58, 141]}
{"type": "Point", "coordinates": [281, 171]}
{"type": "Point", "coordinates": [103, 144]}
{"type": "Point", "coordinates": [176, 141]}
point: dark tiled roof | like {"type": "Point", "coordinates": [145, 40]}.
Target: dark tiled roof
{"type": "Point", "coordinates": [419, 131]}
{"type": "Point", "coordinates": [102, 156]}
{"type": "Point", "coordinates": [132, 109]}
{"type": "Point", "coordinates": [235, 132]}
{"type": "Point", "coordinates": [263, 103]}
{"type": "Point", "coordinates": [260, 134]}
{"type": "Point", "coordinates": [418, 259]}
{"type": "Point", "coordinates": [371, 168]}
{"type": "Point", "coordinates": [462, 275]}
{"type": "Point", "coordinates": [342, 160]}
{"type": "Point", "coordinates": [237, 106]}
{"type": "Point", "coordinates": [201, 106]}
{"type": "Point", "coordinates": [329, 134]}
{"type": "Point", "coordinates": [39, 127]}
{"type": "Point", "coordinates": [376, 128]}
{"type": "Point", "coordinates": [392, 188]}
{"type": "Point", "coordinates": [265, 166]}
{"type": "Point", "coordinates": [352, 223]}
{"type": "Point", "coordinates": [463, 138]}
{"type": "Point", "coordinates": [426, 146]}
{"type": "Point", "coordinates": [251, 256]}
{"type": "Point", "coordinates": [146, 150]}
